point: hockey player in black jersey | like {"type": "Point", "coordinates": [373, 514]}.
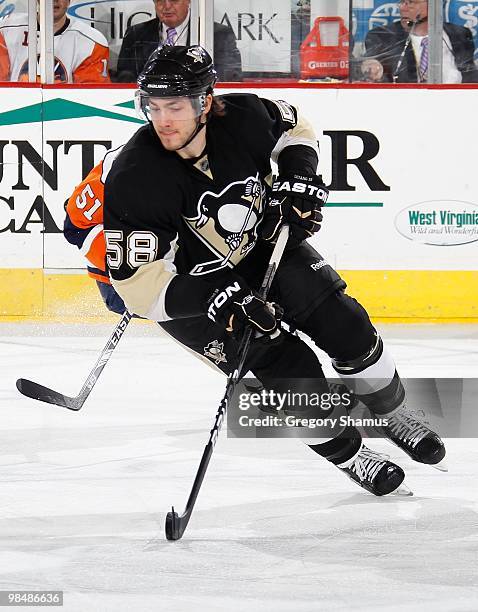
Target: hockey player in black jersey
{"type": "Point", "coordinates": [189, 221]}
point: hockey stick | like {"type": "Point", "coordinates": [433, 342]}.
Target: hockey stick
{"type": "Point", "coordinates": [44, 394]}
{"type": "Point", "coordinates": [175, 524]}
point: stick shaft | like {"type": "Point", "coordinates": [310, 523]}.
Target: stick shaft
{"type": "Point", "coordinates": [180, 523]}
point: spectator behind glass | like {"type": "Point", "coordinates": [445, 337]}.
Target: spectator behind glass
{"type": "Point", "coordinates": [171, 26]}
{"type": "Point", "coordinates": [399, 52]}
{"type": "Point", "coordinates": [81, 52]}
{"type": "Point", "coordinates": [300, 28]}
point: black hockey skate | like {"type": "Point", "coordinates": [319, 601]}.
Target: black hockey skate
{"type": "Point", "coordinates": [414, 437]}
{"type": "Point", "coordinates": [375, 473]}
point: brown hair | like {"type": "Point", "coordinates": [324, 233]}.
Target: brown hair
{"type": "Point", "coordinates": [218, 108]}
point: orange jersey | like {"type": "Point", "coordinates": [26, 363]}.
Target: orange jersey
{"type": "Point", "coordinates": [81, 52]}
{"type": "Point", "coordinates": [84, 218]}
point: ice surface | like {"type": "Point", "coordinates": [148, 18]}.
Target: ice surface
{"type": "Point", "coordinates": [84, 495]}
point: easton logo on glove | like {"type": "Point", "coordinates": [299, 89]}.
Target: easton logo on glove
{"type": "Point", "coordinates": [300, 185]}
{"type": "Point", "coordinates": [296, 200]}
{"type": "Point", "coordinates": [220, 298]}
{"type": "Point", "coordinates": [235, 306]}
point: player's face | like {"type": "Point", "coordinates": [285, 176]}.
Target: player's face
{"type": "Point", "coordinates": [174, 120]}
{"type": "Point", "coordinates": [171, 12]}
{"type": "Point", "coordinates": [59, 9]}
{"type": "Point", "coordinates": [412, 9]}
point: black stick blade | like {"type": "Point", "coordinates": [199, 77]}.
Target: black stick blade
{"type": "Point", "coordinates": [172, 526]}
{"type": "Point", "coordinates": [44, 394]}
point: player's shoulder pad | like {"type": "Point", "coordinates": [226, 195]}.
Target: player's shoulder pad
{"type": "Point", "coordinates": [280, 109]}
{"type": "Point", "coordinates": [143, 150]}
{"type": "Point", "coordinates": [107, 162]}
{"type": "Point", "coordinates": [141, 141]}
{"type": "Point", "coordinates": [250, 107]}
{"type": "Point", "coordinates": [76, 25]}
{"type": "Point", "coordinates": [144, 168]}
{"type": "Point", "coordinates": [240, 102]}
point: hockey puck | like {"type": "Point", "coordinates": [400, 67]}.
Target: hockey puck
{"type": "Point", "coordinates": [172, 525]}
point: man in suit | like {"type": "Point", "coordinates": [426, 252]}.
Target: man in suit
{"type": "Point", "coordinates": [171, 26]}
{"type": "Point", "coordinates": [399, 52]}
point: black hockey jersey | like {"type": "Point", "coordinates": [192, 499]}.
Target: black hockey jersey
{"type": "Point", "coordinates": [174, 226]}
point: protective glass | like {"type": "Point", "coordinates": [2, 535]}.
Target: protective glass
{"type": "Point", "coordinates": [396, 42]}
{"type": "Point", "coordinates": [411, 3]}
{"type": "Point", "coordinates": [173, 109]}
{"type": "Point", "coordinates": [19, 52]}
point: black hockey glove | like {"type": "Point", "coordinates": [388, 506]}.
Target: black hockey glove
{"type": "Point", "coordinates": [296, 200]}
{"type": "Point", "coordinates": [236, 305]}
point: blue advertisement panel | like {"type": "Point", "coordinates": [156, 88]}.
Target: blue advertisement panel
{"type": "Point", "coordinates": [368, 15]}
{"type": "Point", "coordinates": [464, 13]}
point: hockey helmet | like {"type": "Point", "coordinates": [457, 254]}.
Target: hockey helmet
{"type": "Point", "coordinates": [176, 71]}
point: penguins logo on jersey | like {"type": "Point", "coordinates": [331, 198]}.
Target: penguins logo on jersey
{"type": "Point", "coordinates": [226, 222]}
{"type": "Point", "coordinates": [215, 351]}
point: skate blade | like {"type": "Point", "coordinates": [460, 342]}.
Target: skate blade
{"type": "Point", "coordinates": [441, 466]}
{"type": "Point", "coordinates": [402, 491]}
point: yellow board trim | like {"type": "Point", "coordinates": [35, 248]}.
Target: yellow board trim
{"type": "Point", "coordinates": [32, 293]}
{"type": "Point", "coordinates": [415, 294]}
{"type": "Point", "coordinates": [388, 295]}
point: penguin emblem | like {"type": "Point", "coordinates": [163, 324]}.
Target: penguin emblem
{"type": "Point", "coordinates": [215, 351]}
{"type": "Point", "coordinates": [227, 222]}
{"type": "Point", "coordinates": [196, 53]}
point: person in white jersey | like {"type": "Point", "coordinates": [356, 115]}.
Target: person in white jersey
{"type": "Point", "coordinates": [81, 53]}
